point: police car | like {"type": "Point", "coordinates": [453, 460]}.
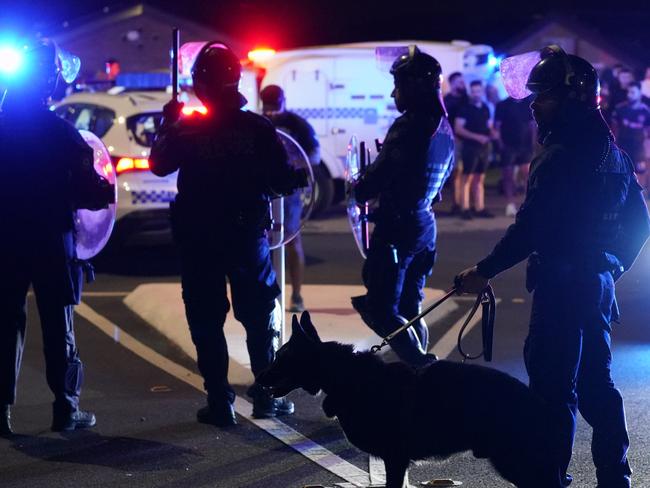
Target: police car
{"type": "Point", "coordinates": [126, 120]}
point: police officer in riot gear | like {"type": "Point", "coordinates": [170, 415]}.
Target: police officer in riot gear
{"type": "Point", "coordinates": [407, 176]}
{"type": "Point", "coordinates": [230, 164]}
{"type": "Point", "coordinates": [46, 173]}
{"type": "Point", "coordinates": [575, 257]}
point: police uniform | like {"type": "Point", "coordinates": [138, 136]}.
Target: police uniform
{"type": "Point", "coordinates": [582, 224]}
{"type": "Point", "coordinates": [230, 164]}
{"type": "Point", "coordinates": [46, 172]}
{"type": "Point", "coordinates": [415, 160]}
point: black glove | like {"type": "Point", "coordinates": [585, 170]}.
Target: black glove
{"type": "Point", "coordinates": [172, 111]}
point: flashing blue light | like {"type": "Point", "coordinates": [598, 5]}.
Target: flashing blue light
{"type": "Point", "coordinates": [494, 61]}
{"type": "Point", "coordinates": [11, 60]}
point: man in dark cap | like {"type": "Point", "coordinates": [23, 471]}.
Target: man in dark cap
{"type": "Point", "coordinates": [274, 107]}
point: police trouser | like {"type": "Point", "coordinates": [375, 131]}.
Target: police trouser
{"type": "Point", "coordinates": [568, 359]}
{"type": "Point", "coordinates": [63, 367]}
{"type": "Point", "coordinates": [395, 280]}
{"type": "Point", "coordinates": [246, 262]}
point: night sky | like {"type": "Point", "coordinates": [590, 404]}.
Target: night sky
{"type": "Point", "coordinates": [291, 23]}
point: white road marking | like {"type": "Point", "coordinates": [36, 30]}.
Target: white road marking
{"type": "Point", "coordinates": [354, 476]}
{"type": "Point", "coordinates": [308, 448]}
{"type": "Point", "coordinates": [377, 470]}
{"type": "Point", "coordinates": [105, 293]}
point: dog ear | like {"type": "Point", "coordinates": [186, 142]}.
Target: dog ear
{"type": "Point", "coordinates": [308, 326]}
{"type": "Point", "coordinates": [296, 330]}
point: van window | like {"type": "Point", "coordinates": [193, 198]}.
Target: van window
{"type": "Point", "coordinates": [85, 116]}
{"type": "Point", "coordinates": [143, 127]}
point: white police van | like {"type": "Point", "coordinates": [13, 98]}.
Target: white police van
{"type": "Point", "coordinates": [345, 89]}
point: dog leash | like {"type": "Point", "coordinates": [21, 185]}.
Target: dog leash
{"type": "Point", "coordinates": [486, 300]}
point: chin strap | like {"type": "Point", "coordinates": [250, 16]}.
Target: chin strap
{"type": "Point", "coordinates": [486, 300]}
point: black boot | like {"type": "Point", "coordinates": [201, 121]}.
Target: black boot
{"type": "Point", "coordinates": [219, 413]}
{"type": "Point", "coordinates": [265, 406]}
{"type": "Point", "coordinates": [5, 421]}
{"type": "Point", "coordinates": [73, 420]}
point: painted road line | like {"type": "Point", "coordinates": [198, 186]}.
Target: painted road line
{"type": "Point", "coordinates": [105, 293]}
{"type": "Point", "coordinates": [161, 306]}
{"type": "Point", "coordinates": [377, 470]}
{"type": "Point", "coordinates": [101, 294]}
{"type": "Point", "coordinates": [308, 448]}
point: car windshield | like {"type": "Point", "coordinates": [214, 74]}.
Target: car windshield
{"type": "Point", "coordinates": [85, 116]}
{"type": "Point", "coordinates": [143, 127]}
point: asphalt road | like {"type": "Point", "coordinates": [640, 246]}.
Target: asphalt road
{"type": "Point", "coordinates": [146, 433]}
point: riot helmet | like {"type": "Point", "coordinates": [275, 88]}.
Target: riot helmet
{"type": "Point", "coordinates": [418, 78]}
{"type": "Point", "coordinates": [551, 71]}
{"type": "Point", "coordinates": [272, 97]}
{"type": "Point", "coordinates": [215, 75]}
{"type": "Point", "coordinates": [568, 75]}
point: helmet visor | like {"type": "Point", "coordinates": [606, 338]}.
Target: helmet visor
{"type": "Point", "coordinates": [385, 56]}
{"type": "Point", "coordinates": [515, 71]}
{"type": "Point", "coordinates": [69, 65]}
{"type": "Point", "coordinates": [188, 53]}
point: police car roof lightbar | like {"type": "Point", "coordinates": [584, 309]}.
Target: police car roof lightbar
{"type": "Point", "coordinates": [260, 54]}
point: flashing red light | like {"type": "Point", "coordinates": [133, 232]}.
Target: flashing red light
{"type": "Point", "coordinates": [124, 165]}
{"type": "Point", "coordinates": [188, 110]}
{"type": "Point", "coordinates": [261, 54]}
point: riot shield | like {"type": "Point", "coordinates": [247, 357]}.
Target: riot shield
{"type": "Point", "coordinates": [93, 227]}
{"type": "Point", "coordinates": [355, 163]}
{"type": "Point", "coordinates": [290, 213]}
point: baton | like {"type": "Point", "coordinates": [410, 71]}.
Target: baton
{"type": "Point", "coordinates": [176, 35]}
{"type": "Point", "coordinates": [364, 157]}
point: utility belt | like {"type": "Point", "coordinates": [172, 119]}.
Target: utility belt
{"type": "Point", "coordinates": [392, 214]}
{"type": "Point", "coordinates": [544, 267]}
{"type": "Point", "coordinates": [188, 219]}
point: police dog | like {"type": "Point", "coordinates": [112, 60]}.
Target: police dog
{"type": "Point", "coordinates": [399, 414]}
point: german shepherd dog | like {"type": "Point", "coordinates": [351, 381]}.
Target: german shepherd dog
{"type": "Point", "coordinates": [400, 414]}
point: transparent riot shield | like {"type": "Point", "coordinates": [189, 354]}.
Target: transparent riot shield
{"type": "Point", "coordinates": [355, 162]}
{"type": "Point", "coordinates": [290, 213]}
{"type": "Point", "coordinates": [94, 227]}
